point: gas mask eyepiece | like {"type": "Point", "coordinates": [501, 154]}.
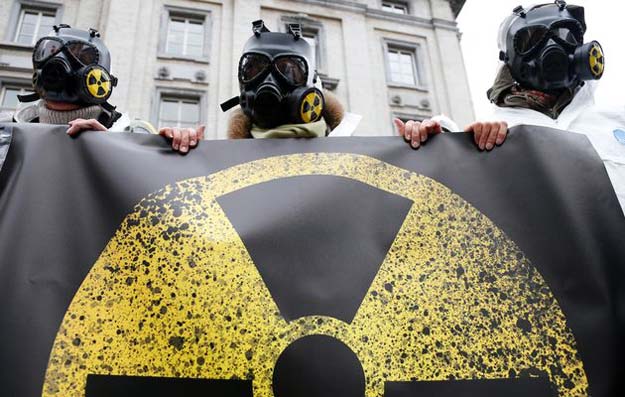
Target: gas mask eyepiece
{"type": "Point", "coordinates": [276, 80]}
{"type": "Point", "coordinates": [544, 47]}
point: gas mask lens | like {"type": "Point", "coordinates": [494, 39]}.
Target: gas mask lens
{"type": "Point", "coordinates": [292, 69]}
{"type": "Point", "coordinates": [46, 48]}
{"type": "Point", "coordinates": [252, 66]}
{"type": "Point", "coordinates": [529, 38]}
{"type": "Point", "coordinates": [49, 47]}
{"type": "Point", "coordinates": [83, 52]}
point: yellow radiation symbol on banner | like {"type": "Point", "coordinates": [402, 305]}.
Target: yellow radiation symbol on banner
{"type": "Point", "coordinates": [98, 83]}
{"type": "Point", "coordinates": [597, 61]}
{"type": "Point", "coordinates": [312, 107]}
{"type": "Point", "coordinates": [175, 294]}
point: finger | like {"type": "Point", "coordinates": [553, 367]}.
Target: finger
{"type": "Point", "coordinates": [408, 130]}
{"type": "Point", "coordinates": [492, 137]}
{"type": "Point", "coordinates": [184, 140]}
{"type": "Point", "coordinates": [192, 137]}
{"type": "Point", "coordinates": [485, 132]}
{"type": "Point", "coordinates": [436, 128]}
{"type": "Point", "coordinates": [175, 143]}
{"type": "Point", "coordinates": [95, 125]}
{"type": "Point", "coordinates": [166, 132]}
{"type": "Point", "coordinates": [415, 140]}
{"type": "Point", "coordinates": [502, 134]}
{"type": "Point", "coordinates": [74, 129]}
{"type": "Point", "coordinates": [399, 126]}
{"type": "Point", "coordinates": [424, 129]}
{"type": "Point", "coordinates": [477, 132]}
{"type": "Point", "coordinates": [79, 120]}
{"type": "Point", "coordinates": [200, 132]}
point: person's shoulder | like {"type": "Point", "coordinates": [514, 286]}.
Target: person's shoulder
{"type": "Point", "coordinates": [135, 126]}
{"type": "Point", "coordinates": [28, 113]}
{"type": "Point", "coordinates": [6, 117]}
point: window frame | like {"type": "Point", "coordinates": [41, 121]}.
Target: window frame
{"type": "Point", "coordinates": [418, 64]}
{"type": "Point", "coordinates": [15, 17]}
{"type": "Point", "coordinates": [178, 94]}
{"type": "Point", "coordinates": [170, 12]}
{"type": "Point", "coordinates": [395, 5]}
{"type": "Point", "coordinates": [22, 85]}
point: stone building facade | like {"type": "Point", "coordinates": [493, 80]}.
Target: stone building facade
{"type": "Point", "coordinates": [176, 60]}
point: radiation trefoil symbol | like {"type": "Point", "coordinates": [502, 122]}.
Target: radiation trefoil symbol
{"type": "Point", "coordinates": [175, 294]}
{"type": "Point", "coordinates": [98, 83]}
{"type": "Point", "coordinates": [597, 61]}
{"type": "Point", "coordinates": [312, 107]}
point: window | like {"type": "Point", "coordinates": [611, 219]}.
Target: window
{"type": "Point", "coordinates": [8, 97]}
{"type": "Point", "coordinates": [395, 7]}
{"type": "Point", "coordinates": [185, 36]}
{"type": "Point", "coordinates": [179, 112]}
{"type": "Point", "coordinates": [185, 33]}
{"type": "Point", "coordinates": [311, 38]}
{"type": "Point", "coordinates": [33, 24]}
{"type": "Point", "coordinates": [402, 66]}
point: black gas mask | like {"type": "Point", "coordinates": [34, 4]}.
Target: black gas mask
{"type": "Point", "coordinates": [277, 83]}
{"type": "Point", "coordinates": [544, 47]}
{"type": "Point", "coordinates": [72, 66]}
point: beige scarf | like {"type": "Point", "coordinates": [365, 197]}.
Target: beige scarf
{"type": "Point", "coordinates": [317, 129]}
{"type": "Point", "coordinates": [48, 116]}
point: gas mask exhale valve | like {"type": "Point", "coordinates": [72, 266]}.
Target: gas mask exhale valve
{"type": "Point", "coordinates": [544, 47]}
{"type": "Point", "coordinates": [277, 84]}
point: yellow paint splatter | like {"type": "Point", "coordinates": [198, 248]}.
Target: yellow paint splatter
{"type": "Point", "coordinates": [175, 294]}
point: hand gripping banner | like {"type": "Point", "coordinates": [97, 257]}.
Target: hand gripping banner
{"type": "Point", "coordinates": [324, 267]}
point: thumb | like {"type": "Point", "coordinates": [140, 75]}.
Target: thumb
{"type": "Point", "coordinates": [399, 125]}
{"type": "Point", "coordinates": [200, 132]}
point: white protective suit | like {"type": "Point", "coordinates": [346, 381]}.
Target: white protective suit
{"type": "Point", "coordinates": [583, 116]}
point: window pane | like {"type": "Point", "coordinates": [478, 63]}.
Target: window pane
{"type": "Point", "coordinates": [175, 37]}
{"type": "Point", "coordinates": [176, 112]}
{"type": "Point", "coordinates": [169, 110]}
{"type": "Point", "coordinates": [402, 66]}
{"type": "Point", "coordinates": [27, 28]}
{"type": "Point", "coordinates": [47, 22]}
{"type": "Point", "coordinates": [396, 8]}
{"type": "Point", "coordinates": [9, 98]}
{"type": "Point", "coordinates": [189, 113]}
{"type": "Point", "coordinates": [312, 40]}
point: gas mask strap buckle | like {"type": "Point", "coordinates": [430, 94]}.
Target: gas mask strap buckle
{"type": "Point", "coordinates": [230, 103]}
{"type": "Point", "coordinates": [520, 11]}
{"type": "Point", "coordinates": [28, 97]}
{"type": "Point", "coordinates": [561, 4]}
{"type": "Point", "coordinates": [259, 27]}
{"type": "Point", "coordinates": [296, 30]}
{"type": "Point", "coordinates": [109, 116]}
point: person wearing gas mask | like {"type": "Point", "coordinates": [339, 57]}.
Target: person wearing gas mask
{"type": "Point", "coordinates": [72, 84]}
{"type": "Point", "coordinates": [281, 94]}
{"type": "Point", "coordinates": [548, 78]}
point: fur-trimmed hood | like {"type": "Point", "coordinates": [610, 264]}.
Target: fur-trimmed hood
{"type": "Point", "coordinates": [240, 126]}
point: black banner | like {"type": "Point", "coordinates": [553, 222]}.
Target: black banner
{"type": "Point", "coordinates": [321, 267]}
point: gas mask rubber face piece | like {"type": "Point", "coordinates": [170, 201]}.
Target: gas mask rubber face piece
{"type": "Point", "coordinates": [545, 50]}
{"type": "Point", "coordinates": [73, 66]}
{"type": "Point", "coordinates": [277, 82]}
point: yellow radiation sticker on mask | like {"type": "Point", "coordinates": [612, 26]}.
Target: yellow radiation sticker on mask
{"type": "Point", "coordinates": [597, 61]}
{"type": "Point", "coordinates": [312, 107]}
{"type": "Point", "coordinates": [98, 83]}
{"type": "Point", "coordinates": [175, 294]}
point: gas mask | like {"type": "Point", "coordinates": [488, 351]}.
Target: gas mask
{"type": "Point", "coordinates": [72, 66]}
{"type": "Point", "coordinates": [544, 47]}
{"type": "Point", "coordinates": [278, 85]}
